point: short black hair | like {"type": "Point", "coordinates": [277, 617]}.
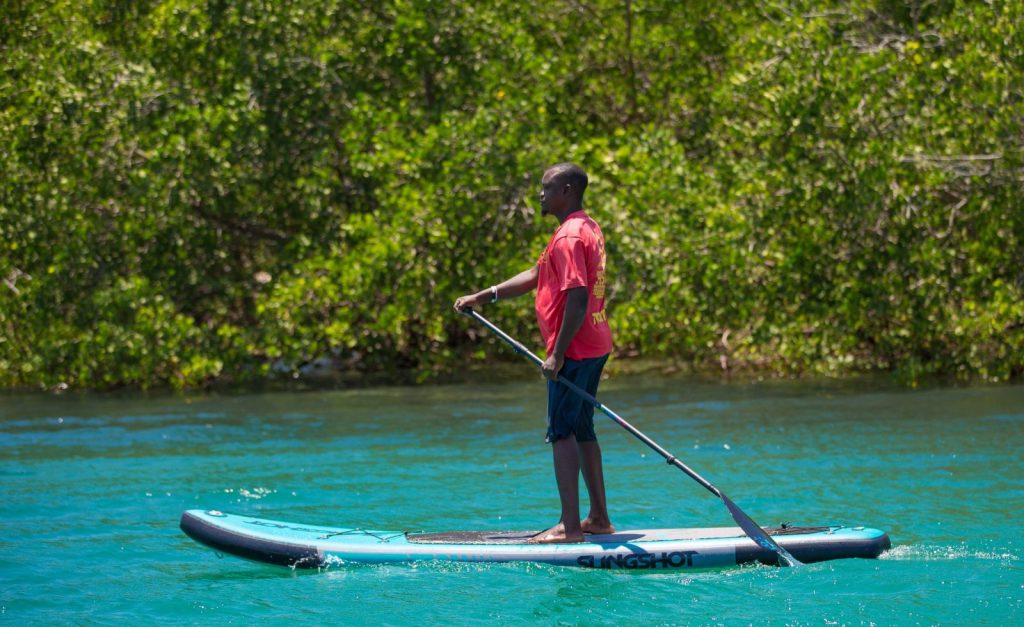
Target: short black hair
{"type": "Point", "coordinates": [573, 175]}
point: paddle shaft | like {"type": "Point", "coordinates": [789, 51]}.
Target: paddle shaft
{"type": "Point", "coordinates": [751, 528]}
{"type": "Point", "coordinates": [670, 458]}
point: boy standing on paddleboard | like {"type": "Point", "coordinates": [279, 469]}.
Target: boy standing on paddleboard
{"type": "Point", "coordinates": [570, 282]}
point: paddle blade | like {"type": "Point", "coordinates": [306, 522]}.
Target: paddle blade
{"type": "Point", "coordinates": [757, 534]}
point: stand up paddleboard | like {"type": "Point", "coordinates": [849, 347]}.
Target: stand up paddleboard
{"type": "Point", "coordinates": [313, 546]}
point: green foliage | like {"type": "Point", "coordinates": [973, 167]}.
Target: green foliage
{"type": "Point", "coordinates": [193, 191]}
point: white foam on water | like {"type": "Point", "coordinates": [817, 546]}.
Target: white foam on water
{"type": "Point", "coordinates": [910, 552]}
{"type": "Point", "coordinates": [256, 493]}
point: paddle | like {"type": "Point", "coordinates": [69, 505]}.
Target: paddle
{"type": "Point", "coordinates": [751, 528]}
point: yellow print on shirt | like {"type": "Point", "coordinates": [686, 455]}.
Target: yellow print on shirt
{"type": "Point", "coordinates": [599, 285]}
{"type": "Point", "coordinates": [599, 317]}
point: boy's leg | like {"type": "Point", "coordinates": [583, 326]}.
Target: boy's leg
{"type": "Point", "coordinates": [597, 520]}
{"type": "Point", "coordinates": [590, 456]}
{"type": "Point", "coordinates": [567, 476]}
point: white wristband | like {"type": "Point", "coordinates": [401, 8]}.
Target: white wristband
{"type": "Point", "coordinates": [494, 293]}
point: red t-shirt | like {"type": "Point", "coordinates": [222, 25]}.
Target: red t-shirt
{"type": "Point", "coordinates": [574, 258]}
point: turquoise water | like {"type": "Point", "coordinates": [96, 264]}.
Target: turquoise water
{"type": "Point", "coordinates": [93, 487]}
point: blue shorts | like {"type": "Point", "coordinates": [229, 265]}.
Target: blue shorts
{"type": "Point", "coordinates": [568, 413]}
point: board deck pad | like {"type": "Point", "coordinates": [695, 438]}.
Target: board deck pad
{"type": "Point", "coordinates": [300, 545]}
{"type": "Point", "coordinates": [472, 537]}
{"type": "Point", "coordinates": [619, 537]}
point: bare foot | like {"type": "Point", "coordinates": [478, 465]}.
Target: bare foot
{"type": "Point", "coordinates": [555, 535]}
{"type": "Point", "coordinates": [597, 528]}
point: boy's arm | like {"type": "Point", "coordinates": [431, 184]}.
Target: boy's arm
{"type": "Point", "coordinates": [575, 311]}
{"type": "Point", "coordinates": [525, 281]}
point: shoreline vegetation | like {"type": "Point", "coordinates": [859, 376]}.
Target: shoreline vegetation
{"type": "Point", "coordinates": [197, 194]}
{"type": "Point", "coordinates": [620, 372]}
